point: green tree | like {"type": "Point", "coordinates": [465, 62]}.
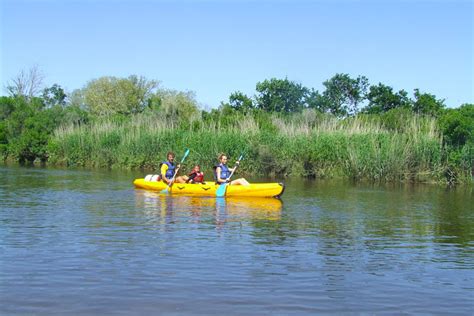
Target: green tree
{"type": "Point", "coordinates": [240, 102]}
{"type": "Point", "coordinates": [26, 131]}
{"type": "Point", "coordinates": [281, 95]}
{"type": "Point", "coordinates": [54, 95]}
{"type": "Point", "coordinates": [318, 102]}
{"type": "Point", "coordinates": [76, 98]}
{"type": "Point", "coordinates": [177, 105]}
{"type": "Point", "coordinates": [7, 106]}
{"type": "Point", "coordinates": [111, 95]}
{"type": "Point", "coordinates": [382, 99]}
{"type": "Point", "coordinates": [425, 103]}
{"type": "Point", "coordinates": [343, 94]}
{"type": "Point", "coordinates": [457, 125]}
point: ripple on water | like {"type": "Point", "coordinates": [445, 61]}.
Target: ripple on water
{"type": "Point", "coordinates": [85, 242]}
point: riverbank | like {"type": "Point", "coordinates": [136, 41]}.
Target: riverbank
{"type": "Point", "coordinates": [316, 135]}
{"type": "Point", "coordinates": [304, 146]}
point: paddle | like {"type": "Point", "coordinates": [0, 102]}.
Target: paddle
{"type": "Point", "coordinates": [220, 192]}
{"type": "Point", "coordinates": [166, 190]}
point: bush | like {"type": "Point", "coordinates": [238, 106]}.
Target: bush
{"type": "Point", "coordinates": [26, 130]}
{"type": "Point", "coordinates": [457, 125]}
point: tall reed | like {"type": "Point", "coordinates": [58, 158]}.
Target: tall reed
{"type": "Point", "coordinates": [304, 144]}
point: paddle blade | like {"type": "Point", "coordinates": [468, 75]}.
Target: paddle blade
{"type": "Point", "coordinates": [167, 189]}
{"type": "Point", "coordinates": [220, 192]}
{"type": "Point", "coordinates": [186, 153]}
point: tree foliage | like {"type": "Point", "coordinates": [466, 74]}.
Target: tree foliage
{"type": "Point", "coordinates": [176, 105]}
{"type": "Point", "coordinates": [241, 102]}
{"type": "Point", "coordinates": [25, 131]}
{"type": "Point", "coordinates": [425, 103]}
{"type": "Point", "coordinates": [381, 99]}
{"type": "Point", "coordinates": [111, 95]}
{"type": "Point", "coordinates": [457, 125]}
{"type": "Point", "coordinates": [54, 95]}
{"type": "Point", "coordinates": [29, 119]}
{"type": "Point", "coordinates": [343, 94]}
{"type": "Point", "coordinates": [280, 95]}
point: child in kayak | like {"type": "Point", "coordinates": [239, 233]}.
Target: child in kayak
{"type": "Point", "coordinates": [222, 173]}
{"type": "Point", "coordinates": [196, 176]}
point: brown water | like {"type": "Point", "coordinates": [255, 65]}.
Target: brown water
{"type": "Point", "coordinates": [86, 242]}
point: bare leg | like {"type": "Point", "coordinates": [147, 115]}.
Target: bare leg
{"type": "Point", "coordinates": [181, 179]}
{"type": "Point", "coordinates": [240, 181]}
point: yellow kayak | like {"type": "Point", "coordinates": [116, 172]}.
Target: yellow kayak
{"type": "Point", "coordinates": [209, 189]}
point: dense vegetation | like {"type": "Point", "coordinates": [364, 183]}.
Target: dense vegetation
{"type": "Point", "coordinates": [351, 129]}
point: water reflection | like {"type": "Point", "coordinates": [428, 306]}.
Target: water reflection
{"type": "Point", "coordinates": [86, 242]}
{"type": "Point", "coordinates": [163, 208]}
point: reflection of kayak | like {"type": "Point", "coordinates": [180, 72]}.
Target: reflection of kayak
{"type": "Point", "coordinates": [255, 208]}
{"type": "Point", "coordinates": [209, 189]}
{"type": "Point", "coordinates": [167, 208]}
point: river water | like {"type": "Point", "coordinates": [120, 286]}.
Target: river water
{"type": "Point", "coordinates": [84, 242]}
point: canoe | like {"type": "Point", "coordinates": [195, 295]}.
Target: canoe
{"type": "Point", "coordinates": [209, 189]}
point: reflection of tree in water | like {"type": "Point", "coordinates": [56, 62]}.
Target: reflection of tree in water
{"type": "Point", "coordinates": [373, 229]}
{"type": "Point", "coordinates": [455, 215]}
{"type": "Point", "coordinates": [454, 229]}
{"type": "Point", "coordinates": [347, 220]}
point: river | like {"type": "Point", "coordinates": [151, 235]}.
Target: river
{"type": "Point", "coordinates": [84, 242]}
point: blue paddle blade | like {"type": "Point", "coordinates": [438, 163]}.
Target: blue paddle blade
{"type": "Point", "coordinates": [220, 192]}
{"type": "Point", "coordinates": [185, 155]}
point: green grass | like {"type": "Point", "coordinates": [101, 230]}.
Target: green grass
{"type": "Point", "coordinates": [305, 144]}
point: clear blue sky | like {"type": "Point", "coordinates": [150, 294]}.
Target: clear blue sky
{"type": "Point", "coordinates": [216, 47]}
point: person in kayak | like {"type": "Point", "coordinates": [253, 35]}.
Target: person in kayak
{"type": "Point", "coordinates": [196, 176]}
{"type": "Point", "coordinates": [168, 169]}
{"type": "Point", "coordinates": [222, 173]}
